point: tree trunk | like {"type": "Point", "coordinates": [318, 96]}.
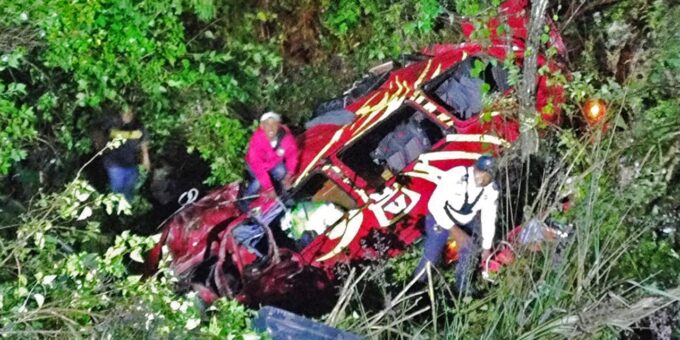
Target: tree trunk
{"type": "Point", "coordinates": [527, 89]}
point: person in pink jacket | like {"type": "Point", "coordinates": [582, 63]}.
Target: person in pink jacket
{"type": "Point", "coordinates": [272, 156]}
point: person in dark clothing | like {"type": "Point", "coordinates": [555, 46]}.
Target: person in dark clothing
{"type": "Point", "coordinates": [121, 163]}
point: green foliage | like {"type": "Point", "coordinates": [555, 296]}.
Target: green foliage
{"type": "Point", "coordinates": [54, 279]}
{"type": "Point", "coordinates": [121, 52]}
{"type": "Point", "coordinates": [98, 56]}
{"type": "Point", "coordinates": [473, 8]}
{"type": "Point", "coordinates": [664, 77]}
{"type": "Point", "coordinates": [205, 9]}
{"type": "Point", "coordinates": [311, 85]}
{"type": "Point", "coordinates": [479, 12]}
{"type": "Point", "coordinates": [112, 45]}
{"type": "Point", "coordinates": [427, 12]}
{"type": "Point", "coordinates": [221, 141]}
{"type": "Point", "coordinates": [403, 266]}
{"type": "Point", "coordinates": [17, 120]}
{"type": "Point", "coordinates": [381, 29]}
{"type": "Point", "coordinates": [660, 261]}
{"type": "Point", "coordinates": [17, 125]}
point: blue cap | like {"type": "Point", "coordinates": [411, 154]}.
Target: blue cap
{"type": "Point", "coordinates": [486, 163]}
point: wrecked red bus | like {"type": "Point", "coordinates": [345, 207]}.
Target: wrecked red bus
{"type": "Point", "coordinates": [368, 165]}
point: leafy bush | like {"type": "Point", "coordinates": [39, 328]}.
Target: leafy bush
{"type": "Point", "coordinates": [17, 125]}
{"type": "Point", "coordinates": [98, 56]}
{"type": "Point", "coordinates": [381, 30]}
{"type": "Point", "coordinates": [56, 282]}
{"type": "Point", "coordinates": [222, 141]}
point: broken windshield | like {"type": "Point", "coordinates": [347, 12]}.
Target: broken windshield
{"type": "Point", "coordinates": [319, 188]}
{"type": "Point", "coordinates": [461, 89]}
{"type": "Point", "coordinates": [391, 145]}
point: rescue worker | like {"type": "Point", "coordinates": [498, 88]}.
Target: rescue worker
{"type": "Point", "coordinates": [121, 163]}
{"type": "Point", "coordinates": [271, 158]}
{"type": "Point", "coordinates": [463, 205]}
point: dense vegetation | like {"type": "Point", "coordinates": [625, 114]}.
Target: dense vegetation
{"type": "Point", "coordinates": [198, 71]}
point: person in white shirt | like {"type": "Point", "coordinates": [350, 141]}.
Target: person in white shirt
{"type": "Point", "coordinates": [463, 205]}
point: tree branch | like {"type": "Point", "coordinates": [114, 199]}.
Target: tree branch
{"type": "Point", "coordinates": [527, 88]}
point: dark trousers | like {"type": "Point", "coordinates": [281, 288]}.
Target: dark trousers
{"type": "Point", "coordinates": [277, 174]}
{"type": "Point", "coordinates": [468, 256]}
{"type": "Point", "coordinates": [436, 239]}
{"type": "Point", "coordinates": [435, 242]}
{"type": "Point", "coordinates": [123, 180]}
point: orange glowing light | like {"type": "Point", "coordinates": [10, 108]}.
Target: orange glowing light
{"type": "Point", "coordinates": [451, 254]}
{"type": "Point", "coordinates": [594, 110]}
